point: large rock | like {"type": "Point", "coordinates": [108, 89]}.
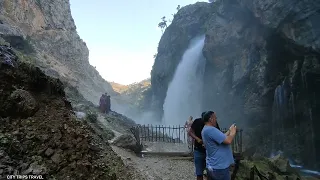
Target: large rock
{"type": "Point", "coordinates": [262, 60]}
{"type": "Point", "coordinates": [22, 103]}
{"type": "Point", "coordinates": [281, 163]}
{"type": "Point", "coordinates": [263, 168]}
{"type": "Point", "coordinates": [126, 141]}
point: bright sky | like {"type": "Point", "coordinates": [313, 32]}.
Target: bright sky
{"type": "Point", "coordinates": [122, 36]}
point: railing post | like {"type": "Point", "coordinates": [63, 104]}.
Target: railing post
{"type": "Point", "coordinates": [151, 133]}
{"type": "Point", "coordinates": [156, 133]}
{"type": "Point", "coordinates": [179, 134]}
{"type": "Point", "coordinates": [240, 140]}
{"type": "Point", "coordinates": [148, 132]}
{"type": "Point", "coordinates": [170, 134]}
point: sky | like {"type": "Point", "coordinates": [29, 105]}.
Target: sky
{"type": "Point", "coordinates": [122, 36]}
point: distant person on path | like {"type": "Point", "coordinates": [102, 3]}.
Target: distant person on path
{"type": "Point", "coordinates": [188, 126]}
{"type": "Point", "coordinates": [199, 151]}
{"type": "Point", "coordinates": [218, 150]}
{"type": "Point", "coordinates": [102, 103]}
{"type": "Point", "coordinates": [108, 104]}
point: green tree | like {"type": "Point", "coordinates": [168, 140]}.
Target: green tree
{"type": "Point", "coordinates": [163, 24]}
{"type": "Point", "coordinates": [178, 7]}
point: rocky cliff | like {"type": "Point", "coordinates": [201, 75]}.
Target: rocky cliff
{"type": "Point", "coordinates": [262, 70]}
{"type": "Point", "coordinates": [57, 48]}
{"type": "Point", "coordinates": [39, 133]}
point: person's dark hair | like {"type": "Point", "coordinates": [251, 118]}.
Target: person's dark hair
{"type": "Point", "coordinates": [202, 114]}
{"type": "Point", "coordinates": [207, 116]}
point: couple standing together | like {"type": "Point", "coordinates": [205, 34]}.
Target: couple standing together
{"type": "Point", "coordinates": [212, 149]}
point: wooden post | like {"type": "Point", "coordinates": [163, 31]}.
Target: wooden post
{"type": "Point", "coordinates": [163, 133]}
{"type": "Point", "coordinates": [144, 132]}
{"type": "Point", "coordinates": [179, 133]}
{"type": "Point", "coordinates": [151, 133]}
{"type": "Point", "coordinates": [170, 134]}
{"type": "Point", "coordinates": [156, 133]}
{"type": "Point", "coordinates": [148, 132]}
{"type": "Point", "coordinates": [160, 134]}
{"type": "Point", "coordinates": [173, 140]}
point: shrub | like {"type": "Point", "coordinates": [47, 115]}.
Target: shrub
{"type": "Point", "coordinates": [92, 117]}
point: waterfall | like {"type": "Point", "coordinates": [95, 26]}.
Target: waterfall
{"type": "Point", "coordinates": [184, 94]}
{"type": "Point", "coordinates": [279, 114]}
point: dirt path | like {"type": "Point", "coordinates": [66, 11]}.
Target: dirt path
{"type": "Point", "coordinates": [157, 168]}
{"type": "Point", "coordinates": [150, 167]}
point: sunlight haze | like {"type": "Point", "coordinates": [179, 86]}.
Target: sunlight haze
{"type": "Point", "coordinates": [122, 36]}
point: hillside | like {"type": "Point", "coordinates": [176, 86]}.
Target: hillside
{"type": "Point", "coordinates": [134, 97]}
{"type": "Point", "coordinates": [119, 88]}
{"type": "Point", "coordinates": [40, 134]}
{"type": "Point", "coordinates": [131, 88]}
{"type": "Point", "coordinates": [47, 82]}
{"type": "Point", "coordinates": [58, 50]}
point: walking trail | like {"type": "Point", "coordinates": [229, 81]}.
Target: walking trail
{"type": "Point", "coordinates": [157, 168]}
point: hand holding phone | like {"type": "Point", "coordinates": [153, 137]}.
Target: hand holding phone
{"type": "Point", "coordinates": [233, 129]}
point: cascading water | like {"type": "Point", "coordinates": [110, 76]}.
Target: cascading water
{"type": "Point", "coordinates": [184, 94]}
{"type": "Point", "coordinates": [279, 114]}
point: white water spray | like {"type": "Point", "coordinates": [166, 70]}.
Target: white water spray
{"type": "Point", "coordinates": [184, 94]}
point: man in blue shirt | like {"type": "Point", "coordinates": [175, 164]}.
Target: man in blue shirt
{"type": "Point", "coordinates": [219, 155]}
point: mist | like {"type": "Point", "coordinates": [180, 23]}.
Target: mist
{"type": "Point", "coordinates": [184, 94]}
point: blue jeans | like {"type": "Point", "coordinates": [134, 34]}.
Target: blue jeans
{"type": "Point", "coordinates": [199, 162]}
{"type": "Point", "coordinates": [218, 174]}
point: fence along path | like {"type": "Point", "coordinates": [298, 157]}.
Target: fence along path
{"type": "Point", "coordinates": [174, 134]}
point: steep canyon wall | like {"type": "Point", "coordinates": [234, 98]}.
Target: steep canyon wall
{"type": "Point", "coordinates": [57, 48]}
{"type": "Point", "coordinates": [262, 72]}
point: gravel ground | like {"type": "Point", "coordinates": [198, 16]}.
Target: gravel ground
{"type": "Point", "coordinates": [166, 147]}
{"type": "Point", "coordinates": [158, 168]}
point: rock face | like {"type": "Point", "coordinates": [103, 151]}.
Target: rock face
{"type": "Point", "coordinates": [262, 70]}
{"type": "Point", "coordinates": [42, 136]}
{"type": "Point", "coordinates": [59, 51]}
{"type": "Point", "coordinates": [187, 23]}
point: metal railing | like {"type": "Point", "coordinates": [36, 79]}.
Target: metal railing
{"type": "Point", "coordinates": [174, 134]}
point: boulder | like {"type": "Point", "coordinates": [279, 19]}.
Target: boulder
{"type": "Point", "coordinates": [22, 103]}
{"type": "Point", "coordinates": [264, 168]}
{"type": "Point", "coordinates": [126, 141]}
{"type": "Point", "coordinates": [281, 163]}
